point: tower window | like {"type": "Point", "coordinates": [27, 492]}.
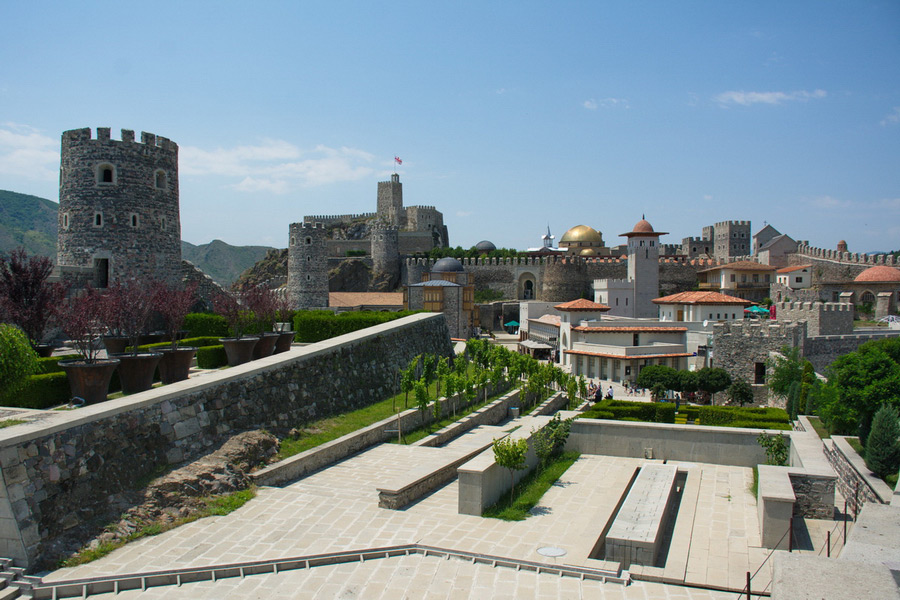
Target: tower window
{"type": "Point", "coordinates": [135, 220]}
{"type": "Point", "coordinates": [160, 180]}
{"type": "Point", "coordinates": [308, 241]}
{"type": "Point", "coordinates": [65, 220]}
{"type": "Point", "coordinates": [106, 174]}
{"type": "Point", "coordinates": [98, 219]}
{"type": "Point", "coordinates": [162, 223]}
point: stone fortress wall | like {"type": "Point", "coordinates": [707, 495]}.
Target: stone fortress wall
{"type": "Point", "coordinates": [832, 265]}
{"type": "Point", "coordinates": [307, 284]}
{"type": "Point", "coordinates": [57, 472]}
{"type": "Point", "coordinates": [119, 206]}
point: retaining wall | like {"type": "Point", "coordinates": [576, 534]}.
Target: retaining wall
{"type": "Point", "coordinates": [58, 471]}
{"type": "Point", "coordinates": [855, 481]}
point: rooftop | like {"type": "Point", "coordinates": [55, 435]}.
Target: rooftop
{"type": "Point", "coordinates": [582, 305]}
{"type": "Point", "coordinates": [701, 298]}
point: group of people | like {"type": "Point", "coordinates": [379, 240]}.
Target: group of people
{"type": "Point", "coordinates": [595, 391]}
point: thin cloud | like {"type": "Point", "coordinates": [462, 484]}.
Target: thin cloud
{"type": "Point", "coordinates": [743, 98]}
{"type": "Point", "coordinates": [829, 202]}
{"type": "Point", "coordinates": [26, 152]}
{"type": "Point", "coordinates": [277, 166]}
{"type": "Point", "coordinates": [892, 119]}
{"type": "Point", "coordinates": [463, 213]}
{"type": "Point", "coordinates": [593, 104]}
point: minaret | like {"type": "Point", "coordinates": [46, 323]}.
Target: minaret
{"type": "Point", "coordinates": [548, 238]}
{"type": "Point", "coordinates": [643, 267]}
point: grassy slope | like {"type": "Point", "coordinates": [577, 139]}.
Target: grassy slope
{"type": "Point", "coordinates": [28, 221]}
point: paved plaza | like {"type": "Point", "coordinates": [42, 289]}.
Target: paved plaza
{"type": "Point", "coordinates": [715, 542]}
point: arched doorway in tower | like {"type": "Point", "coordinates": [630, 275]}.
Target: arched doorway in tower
{"type": "Point", "coordinates": [527, 287]}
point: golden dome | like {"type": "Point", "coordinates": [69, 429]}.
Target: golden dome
{"type": "Point", "coordinates": [581, 234]}
{"type": "Point", "coordinates": [587, 252]}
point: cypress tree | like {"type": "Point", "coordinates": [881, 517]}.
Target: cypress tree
{"type": "Point", "coordinates": [883, 445]}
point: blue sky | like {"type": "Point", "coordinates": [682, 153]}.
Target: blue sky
{"type": "Point", "coordinates": [509, 116]}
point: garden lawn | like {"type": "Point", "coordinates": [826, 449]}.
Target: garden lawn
{"type": "Point", "coordinates": [530, 490]}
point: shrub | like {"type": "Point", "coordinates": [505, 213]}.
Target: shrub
{"type": "Point", "coordinates": [665, 412]}
{"type": "Point", "coordinates": [50, 364]}
{"type": "Point", "coordinates": [211, 357]}
{"type": "Point", "coordinates": [18, 359]}
{"type": "Point", "coordinates": [760, 425]}
{"type": "Point", "coordinates": [194, 341]}
{"type": "Point", "coordinates": [40, 391]}
{"type": "Point", "coordinates": [600, 414]}
{"type": "Point", "coordinates": [205, 324]}
{"type": "Point", "coordinates": [724, 415]}
{"type": "Point", "coordinates": [882, 445]}
{"type": "Point", "coordinates": [317, 325]}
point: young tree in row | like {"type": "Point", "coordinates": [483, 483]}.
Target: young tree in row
{"type": "Point", "coordinates": [740, 392]}
{"type": "Point", "coordinates": [511, 454]}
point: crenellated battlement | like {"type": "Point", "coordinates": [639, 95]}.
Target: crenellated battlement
{"type": "Point", "coordinates": [332, 219]}
{"type": "Point", "coordinates": [733, 224]}
{"type": "Point", "coordinates": [307, 225]}
{"type": "Point", "coordinates": [818, 307]}
{"type": "Point", "coordinates": [767, 329]}
{"type": "Point", "coordinates": [83, 135]}
{"type": "Point", "coordinates": [854, 258]}
{"type": "Point", "coordinates": [422, 208]}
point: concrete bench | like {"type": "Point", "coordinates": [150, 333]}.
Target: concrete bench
{"type": "Point", "coordinates": [636, 532]}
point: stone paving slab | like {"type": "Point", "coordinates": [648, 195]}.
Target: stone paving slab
{"type": "Point", "coordinates": [336, 510]}
{"type": "Point", "coordinates": [414, 577]}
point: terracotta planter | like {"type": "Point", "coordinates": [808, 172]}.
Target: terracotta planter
{"type": "Point", "coordinates": [115, 344]}
{"type": "Point", "coordinates": [89, 381]}
{"type": "Point", "coordinates": [150, 338]}
{"type": "Point", "coordinates": [239, 350]}
{"type": "Point", "coordinates": [265, 346]}
{"type": "Point", "coordinates": [175, 365]}
{"type": "Point", "coordinates": [285, 339]}
{"type": "Point", "coordinates": [136, 371]}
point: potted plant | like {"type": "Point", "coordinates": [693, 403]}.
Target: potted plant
{"type": "Point", "coordinates": [262, 303]}
{"type": "Point", "coordinates": [82, 320]}
{"type": "Point", "coordinates": [238, 349]}
{"type": "Point", "coordinates": [283, 313]}
{"type": "Point", "coordinates": [173, 304]}
{"type": "Point", "coordinates": [27, 297]}
{"type": "Point", "coordinates": [131, 304]}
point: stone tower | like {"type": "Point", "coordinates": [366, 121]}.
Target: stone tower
{"type": "Point", "coordinates": [385, 257]}
{"type": "Point", "coordinates": [118, 206]}
{"type": "Point", "coordinates": [307, 286]}
{"type": "Point", "coordinates": [390, 202]}
{"type": "Point", "coordinates": [732, 238]}
{"type": "Point", "coordinates": [643, 267]}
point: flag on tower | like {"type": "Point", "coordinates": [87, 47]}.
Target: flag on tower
{"type": "Point", "coordinates": [397, 160]}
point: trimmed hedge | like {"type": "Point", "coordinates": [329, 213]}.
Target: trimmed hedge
{"type": "Point", "coordinates": [211, 357]}
{"type": "Point", "coordinates": [760, 425]}
{"type": "Point", "coordinates": [40, 391]}
{"type": "Point", "coordinates": [50, 364]}
{"type": "Point", "coordinates": [725, 415]}
{"type": "Point", "coordinates": [206, 324]}
{"type": "Point", "coordinates": [194, 341]}
{"type": "Point", "coordinates": [317, 325]}
{"type": "Point", "coordinates": [651, 412]}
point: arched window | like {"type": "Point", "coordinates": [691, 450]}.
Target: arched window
{"type": "Point", "coordinates": [160, 180]}
{"type": "Point", "coordinates": [134, 220]}
{"type": "Point", "coordinates": [65, 220]}
{"type": "Point", "coordinates": [106, 174]}
{"type": "Point", "coordinates": [867, 298]}
{"type": "Point", "coordinates": [98, 219]}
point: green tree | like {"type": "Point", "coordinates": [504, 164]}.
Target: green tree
{"type": "Point", "coordinates": [18, 360]}
{"type": "Point", "coordinates": [793, 399]}
{"type": "Point", "coordinates": [786, 369]}
{"type": "Point", "coordinates": [712, 379]}
{"type": "Point", "coordinates": [451, 389]}
{"type": "Point", "coordinates": [511, 454]}
{"type": "Point", "coordinates": [441, 372]}
{"type": "Point", "coordinates": [883, 445]}
{"type": "Point", "coordinates": [407, 382]}
{"type": "Point", "coordinates": [658, 377]}
{"type": "Point", "coordinates": [740, 392]}
{"type": "Point", "coordinates": [429, 368]}
{"type": "Point", "coordinates": [421, 394]}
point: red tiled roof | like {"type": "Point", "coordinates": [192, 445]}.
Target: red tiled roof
{"type": "Point", "coordinates": [879, 273]}
{"type": "Point", "coordinates": [741, 265]}
{"type": "Point", "coordinates": [630, 329]}
{"type": "Point", "coordinates": [792, 269]}
{"type": "Point", "coordinates": [623, 357]}
{"type": "Point", "coordinates": [701, 298]}
{"type": "Point", "coordinates": [582, 304]}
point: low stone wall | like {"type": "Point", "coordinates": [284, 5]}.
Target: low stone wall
{"type": "Point", "coordinates": [855, 481]}
{"type": "Point", "coordinates": [692, 443]}
{"type": "Point", "coordinates": [491, 414]}
{"type": "Point", "coordinates": [58, 471]}
{"type": "Point", "coordinates": [482, 481]}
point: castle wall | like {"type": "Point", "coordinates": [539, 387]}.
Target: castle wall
{"type": "Point", "coordinates": [416, 242]}
{"type": "Point", "coordinates": [328, 220]}
{"type": "Point", "coordinates": [339, 248]}
{"type": "Point", "coordinates": [56, 473]}
{"type": "Point", "coordinates": [823, 350]}
{"type": "Point", "coordinates": [783, 293]}
{"type": "Point", "coordinates": [739, 347]}
{"type": "Point", "coordinates": [822, 318]}
{"type": "Point", "coordinates": [834, 266]}
{"type": "Point", "coordinates": [118, 206]}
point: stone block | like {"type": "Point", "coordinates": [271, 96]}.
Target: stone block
{"type": "Point", "coordinates": [636, 531]}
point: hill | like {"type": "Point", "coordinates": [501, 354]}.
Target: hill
{"type": "Point", "coordinates": [28, 221]}
{"type": "Point", "coordinates": [223, 262]}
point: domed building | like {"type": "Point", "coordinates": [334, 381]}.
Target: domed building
{"type": "Point", "coordinates": [485, 247]}
{"type": "Point", "coordinates": [874, 293]}
{"type": "Point", "coordinates": [581, 237]}
{"type": "Point", "coordinates": [446, 289]}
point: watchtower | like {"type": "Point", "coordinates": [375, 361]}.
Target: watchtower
{"type": "Point", "coordinates": [385, 256]}
{"type": "Point", "coordinates": [118, 206]}
{"type": "Point", "coordinates": [307, 285]}
{"type": "Point", "coordinates": [390, 202]}
{"type": "Point", "coordinates": [643, 267]}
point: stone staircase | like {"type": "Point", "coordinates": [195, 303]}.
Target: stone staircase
{"type": "Point", "coordinates": [13, 581]}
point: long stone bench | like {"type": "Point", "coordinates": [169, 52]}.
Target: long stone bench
{"type": "Point", "coordinates": [636, 532]}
